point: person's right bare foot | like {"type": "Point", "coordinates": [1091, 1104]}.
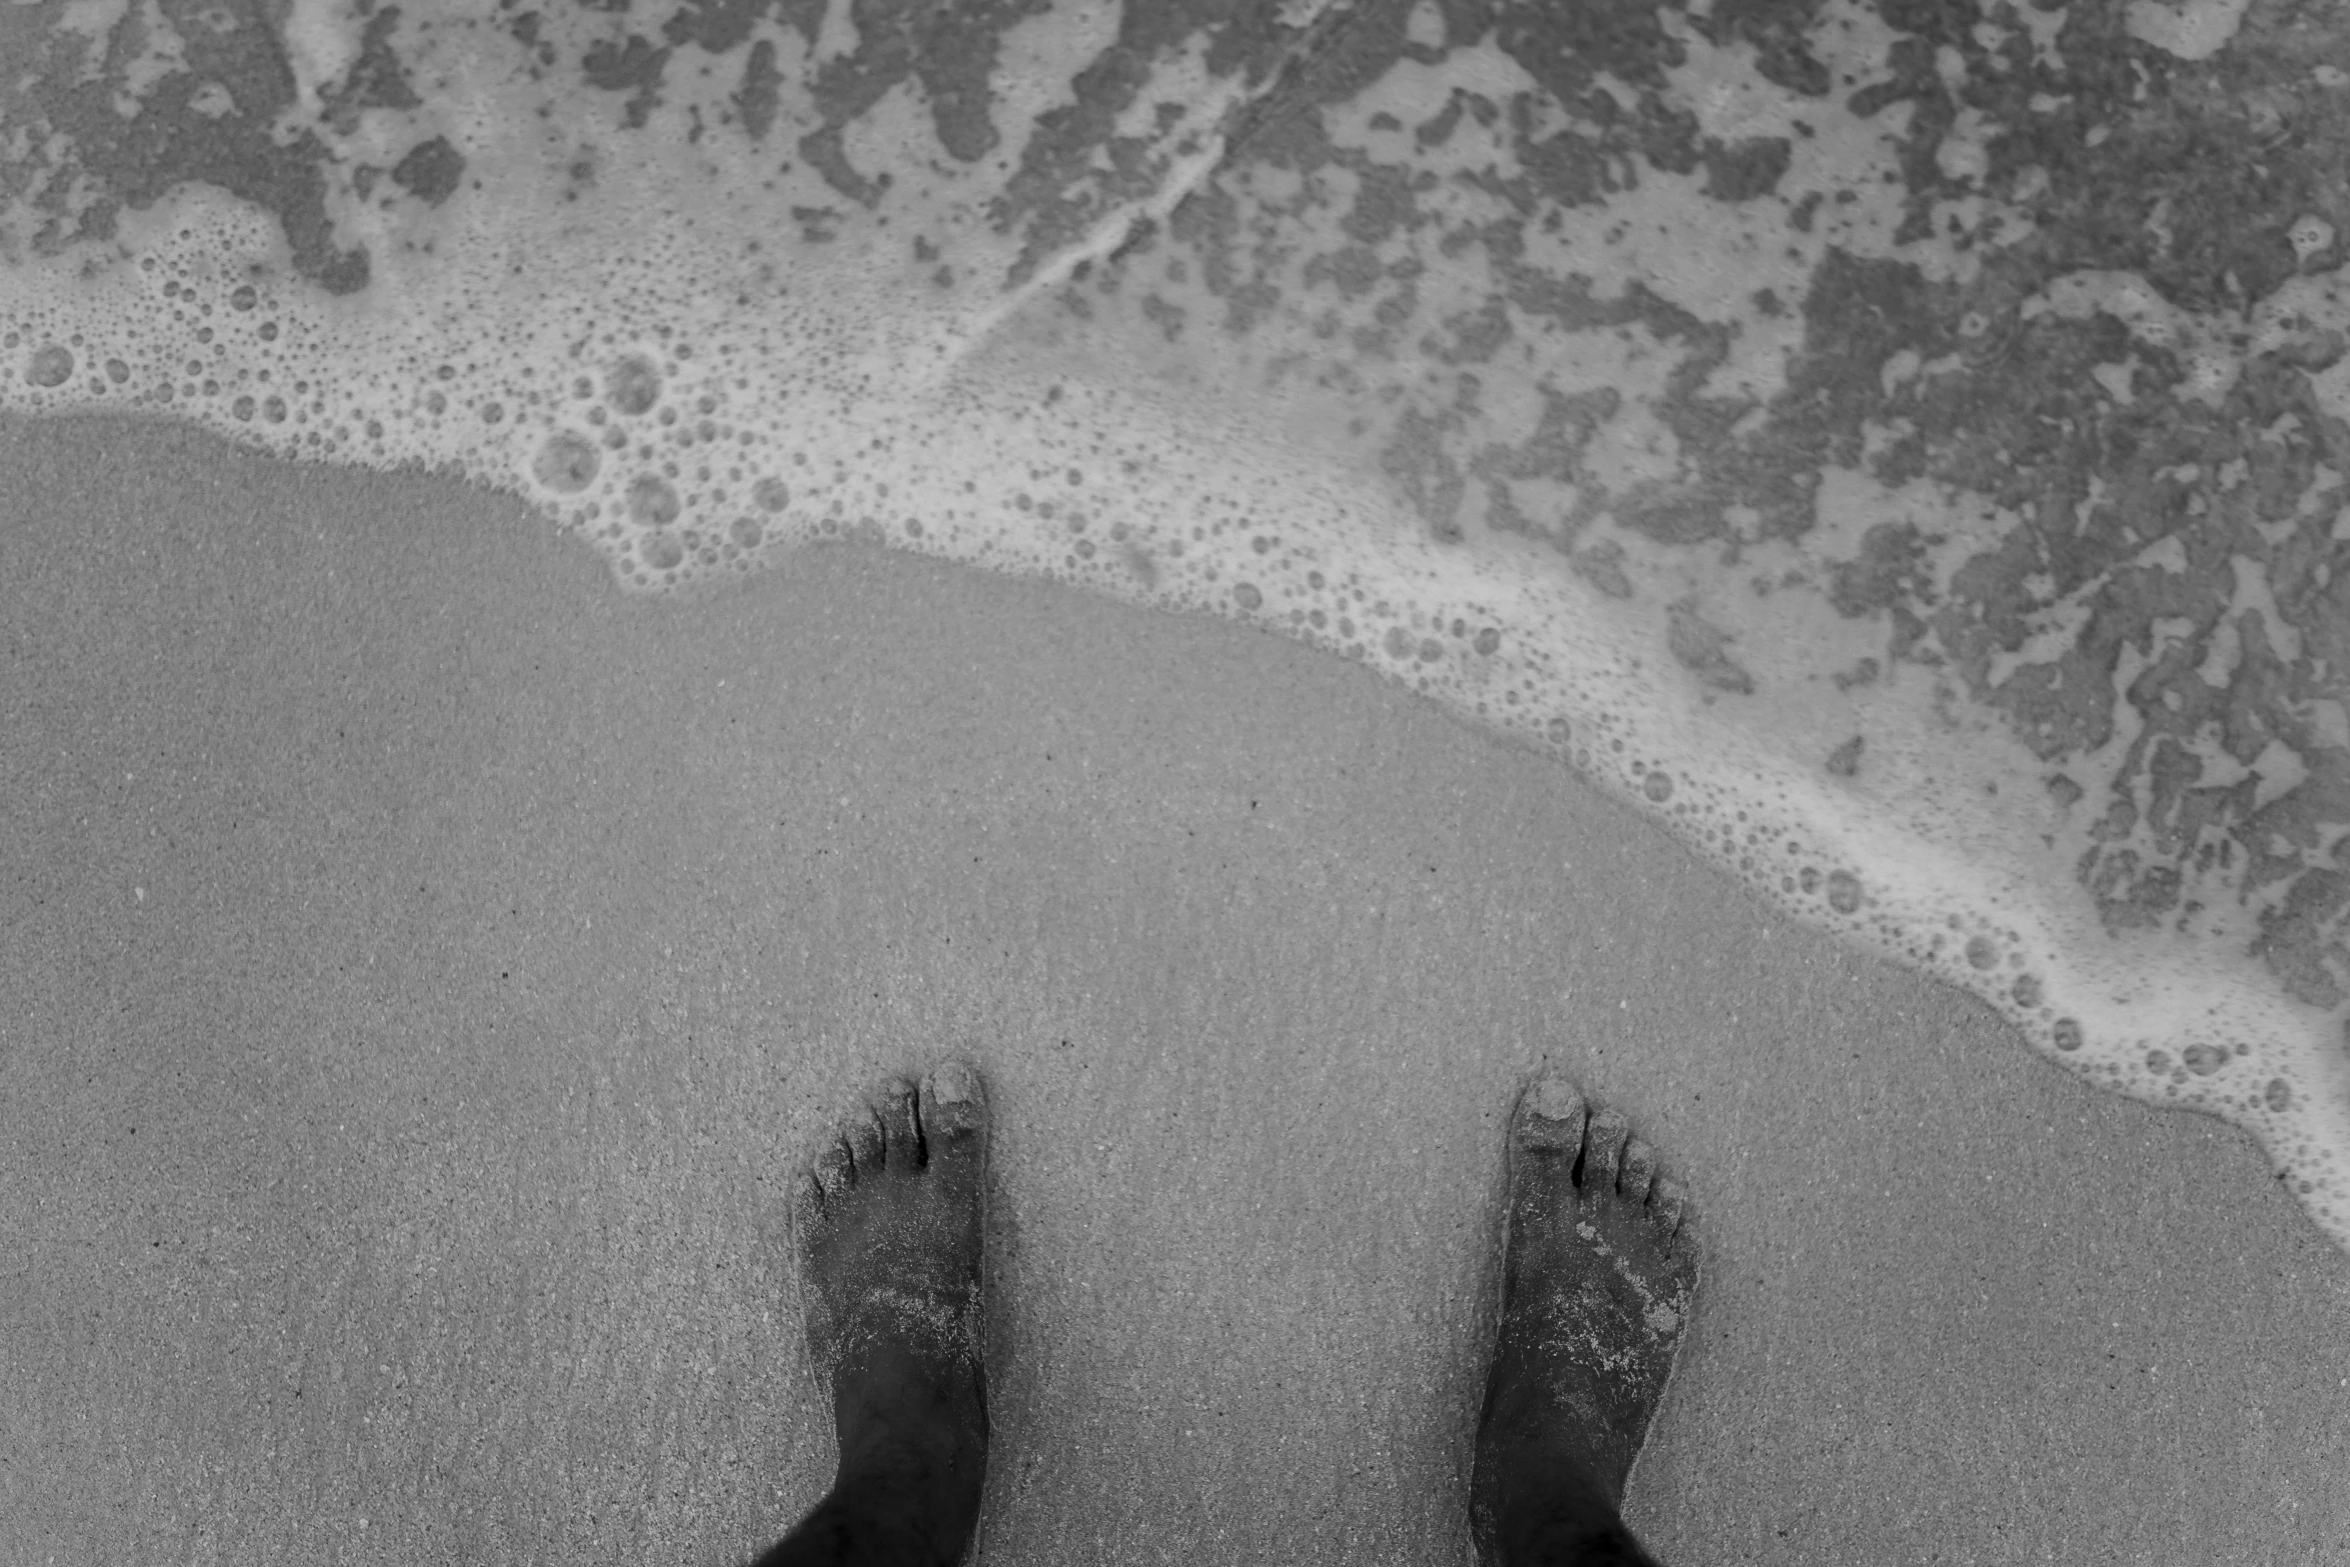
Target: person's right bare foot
{"type": "Point", "coordinates": [1597, 1282]}
{"type": "Point", "coordinates": [890, 1231]}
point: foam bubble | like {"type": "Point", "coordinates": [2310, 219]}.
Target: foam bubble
{"type": "Point", "coordinates": [566, 463]}
{"type": "Point", "coordinates": [652, 502]}
{"type": "Point", "coordinates": [1812, 471]}
{"type": "Point", "coordinates": [632, 386]}
{"type": "Point", "coordinates": [51, 365]}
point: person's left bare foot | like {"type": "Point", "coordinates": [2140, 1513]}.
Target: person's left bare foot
{"type": "Point", "coordinates": [889, 1230]}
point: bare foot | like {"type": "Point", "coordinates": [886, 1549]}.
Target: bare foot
{"type": "Point", "coordinates": [1597, 1282]}
{"type": "Point", "coordinates": [889, 1230]}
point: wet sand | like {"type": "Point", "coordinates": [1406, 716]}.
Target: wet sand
{"type": "Point", "coordinates": [425, 968]}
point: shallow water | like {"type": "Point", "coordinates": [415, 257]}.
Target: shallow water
{"type": "Point", "coordinates": [1901, 447]}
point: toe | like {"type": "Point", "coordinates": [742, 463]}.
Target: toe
{"type": "Point", "coordinates": [1603, 1150]}
{"type": "Point", "coordinates": [861, 1130]}
{"type": "Point", "coordinates": [1670, 1204]}
{"type": "Point", "coordinates": [892, 1104]}
{"type": "Point", "coordinates": [954, 1109]}
{"type": "Point", "coordinates": [1550, 1116]}
{"type": "Point", "coordinates": [807, 1207]}
{"type": "Point", "coordinates": [834, 1172]}
{"type": "Point", "coordinates": [1639, 1169]}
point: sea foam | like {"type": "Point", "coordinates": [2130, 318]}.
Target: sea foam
{"type": "Point", "coordinates": [1910, 466]}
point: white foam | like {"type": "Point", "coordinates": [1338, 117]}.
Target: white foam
{"type": "Point", "coordinates": [2190, 29]}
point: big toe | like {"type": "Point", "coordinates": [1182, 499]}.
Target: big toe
{"type": "Point", "coordinates": [954, 1111]}
{"type": "Point", "coordinates": [1549, 1116]}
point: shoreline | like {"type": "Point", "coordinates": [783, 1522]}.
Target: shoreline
{"type": "Point", "coordinates": [1253, 945]}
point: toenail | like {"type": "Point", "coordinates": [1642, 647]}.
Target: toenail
{"type": "Point", "coordinates": [954, 1083]}
{"type": "Point", "coordinates": [1555, 1099]}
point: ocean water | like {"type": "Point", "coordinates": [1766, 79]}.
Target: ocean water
{"type": "Point", "coordinates": [1898, 444]}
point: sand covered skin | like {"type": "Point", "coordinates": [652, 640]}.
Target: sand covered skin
{"type": "Point", "coordinates": [1899, 447]}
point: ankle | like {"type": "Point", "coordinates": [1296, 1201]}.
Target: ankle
{"type": "Point", "coordinates": [1543, 1433]}
{"type": "Point", "coordinates": [892, 1396]}
{"type": "Point", "coordinates": [1569, 1526]}
{"type": "Point", "coordinates": [909, 1430]}
{"type": "Point", "coordinates": [1539, 1501]}
{"type": "Point", "coordinates": [935, 1491]}
{"type": "Point", "coordinates": [922, 1453]}
{"type": "Point", "coordinates": [876, 1519]}
{"type": "Point", "coordinates": [917, 1461]}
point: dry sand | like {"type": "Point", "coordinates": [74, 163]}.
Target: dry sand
{"type": "Point", "coordinates": [424, 968]}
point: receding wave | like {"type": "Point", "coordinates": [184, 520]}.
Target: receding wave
{"type": "Point", "coordinates": [1901, 448]}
